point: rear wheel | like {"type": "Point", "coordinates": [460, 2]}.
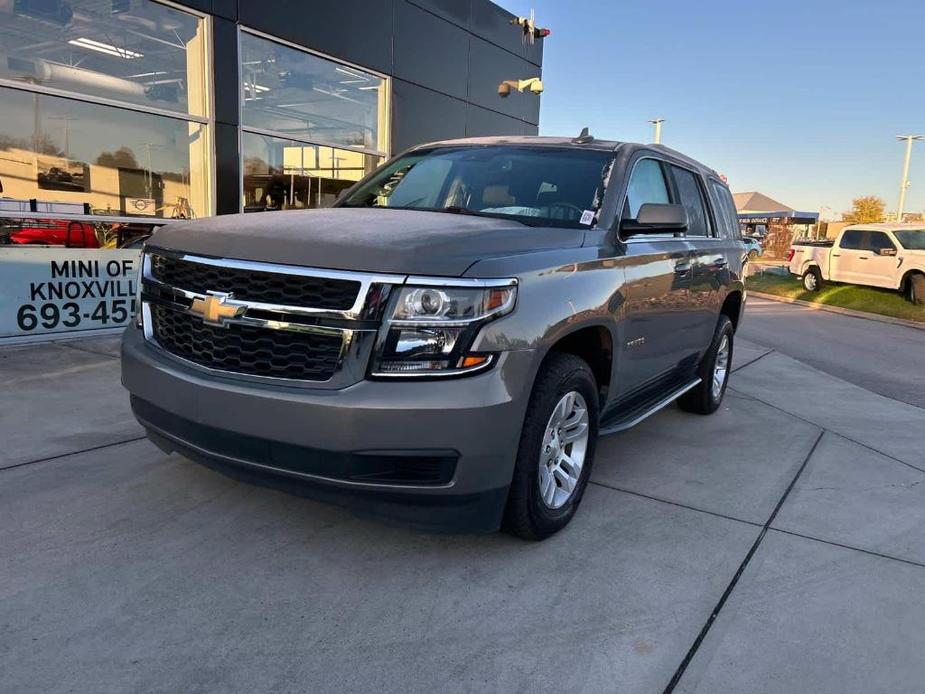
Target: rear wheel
{"type": "Point", "coordinates": [752, 254]}
{"type": "Point", "coordinates": [812, 280]}
{"type": "Point", "coordinates": [556, 449]}
{"type": "Point", "coordinates": [916, 284]}
{"type": "Point", "coordinates": [714, 369]}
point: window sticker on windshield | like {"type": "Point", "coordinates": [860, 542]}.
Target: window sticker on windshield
{"type": "Point", "coordinates": [587, 217]}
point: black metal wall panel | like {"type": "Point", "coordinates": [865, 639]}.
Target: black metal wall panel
{"type": "Point", "coordinates": [225, 8]}
{"type": "Point", "coordinates": [201, 5]}
{"type": "Point", "coordinates": [225, 78]}
{"type": "Point", "coordinates": [421, 115]}
{"type": "Point", "coordinates": [480, 121]}
{"type": "Point", "coordinates": [493, 23]}
{"type": "Point", "coordinates": [430, 51]}
{"type": "Point", "coordinates": [456, 11]}
{"type": "Point", "coordinates": [227, 169]}
{"type": "Point", "coordinates": [358, 31]}
{"type": "Point", "coordinates": [488, 67]}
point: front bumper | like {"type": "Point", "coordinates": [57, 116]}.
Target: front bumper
{"type": "Point", "coordinates": [328, 443]}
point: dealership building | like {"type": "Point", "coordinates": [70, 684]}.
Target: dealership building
{"type": "Point", "coordinates": [120, 115]}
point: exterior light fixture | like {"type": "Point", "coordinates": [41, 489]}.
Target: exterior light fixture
{"type": "Point", "coordinates": [531, 31]}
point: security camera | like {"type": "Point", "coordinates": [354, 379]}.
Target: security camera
{"type": "Point", "coordinates": [534, 84]}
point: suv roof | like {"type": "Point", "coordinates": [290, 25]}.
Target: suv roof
{"type": "Point", "coordinates": [558, 141]}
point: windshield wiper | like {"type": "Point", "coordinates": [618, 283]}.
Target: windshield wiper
{"type": "Point", "coordinates": [456, 209]}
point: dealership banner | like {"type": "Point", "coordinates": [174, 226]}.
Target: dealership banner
{"type": "Point", "coordinates": [57, 290]}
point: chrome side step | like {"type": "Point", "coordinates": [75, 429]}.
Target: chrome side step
{"type": "Point", "coordinates": [636, 417]}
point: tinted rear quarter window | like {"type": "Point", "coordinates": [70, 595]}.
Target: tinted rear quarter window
{"type": "Point", "coordinates": [726, 213]}
{"type": "Point", "coordinates": [692, 198]}
{"type": "Point", "coordinates": [851, 240]}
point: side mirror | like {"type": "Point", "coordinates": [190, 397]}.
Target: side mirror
{"type": "Point", "coordinates": [656, 218]}
{"type": "Point", "coordinates": [886, 251]}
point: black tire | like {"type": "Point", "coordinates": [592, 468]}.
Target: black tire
{"type": "Point", "coordinates": [526, 515]}
{"type": "Point", "coordinates": [752, 254]}
{"type": "Point", "coordinates": [916, 289]}
{"type": "Point", "coordinates": [702, 399]}
{"type": "Point", "coordinates": [812, 280]}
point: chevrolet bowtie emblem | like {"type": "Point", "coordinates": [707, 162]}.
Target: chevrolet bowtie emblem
{"type": "Point", "coordinates": [213, 310]}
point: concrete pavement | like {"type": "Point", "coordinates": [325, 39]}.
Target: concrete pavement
{"type": "Point", "coordinates": [887, 359]}
{"type": "Point", "coordinates": [775, 546]}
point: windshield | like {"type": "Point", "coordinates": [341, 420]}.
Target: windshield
{"type": "Point", "coordinates": [911, 239]}
{"type": "Point", "coordinates": [536, 186]}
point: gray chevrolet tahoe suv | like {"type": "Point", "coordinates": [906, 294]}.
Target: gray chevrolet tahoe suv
{"type": "Point", "coordinates": [447, 342]}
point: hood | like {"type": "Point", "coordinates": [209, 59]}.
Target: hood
{"type": "Point", "coordinates": [370, 240]}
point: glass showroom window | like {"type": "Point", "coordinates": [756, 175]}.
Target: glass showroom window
{"type": "Point", "coordinates": [283, 174]}
{"type": "Point", "coordinates": [134, 51]}
{"type": "Point", "coordinates": [104, 105]}
{"type": "Point", "coordinates": [101, 159]}
{"type": "Point", "coordinates": [312, 126]}
{"type": "Point", "coordinates": [104, 134]}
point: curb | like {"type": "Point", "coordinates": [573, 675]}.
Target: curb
{"type": "Point", "coordinates": [843, 311]}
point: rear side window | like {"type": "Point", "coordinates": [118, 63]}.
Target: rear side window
{"type": "Point", "coordinates": [851, 240]}
{"type": "Point", "coordinates": [726, 213]}
{"type": "Point", "coordinates": [878, 240]}
{"type": "Point", "coordinates": [692, 198]}
{"type": "Point", "coordinates": [647, 184]}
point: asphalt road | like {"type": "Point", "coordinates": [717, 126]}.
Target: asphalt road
{"type": "Point", "coordinates": [881, 357]}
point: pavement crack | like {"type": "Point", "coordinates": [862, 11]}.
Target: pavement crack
{"type": "Point", "coordinates": [85, 350]}
{"type": "Point", "coordinates": [70, 453]}
{"type": "Point", "coordinates": [851, 547]}
{"type": "Point", "coordinates": [749, 363]}
{"type": "Point", "coordinates": [834, 433]}
{"type": "Point", "coordinates": [673, 503]}
{"type": "Point", "coordinates": [682, 668]}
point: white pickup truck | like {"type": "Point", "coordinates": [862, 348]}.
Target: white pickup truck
{"type": "Point", "coordinates": [876, 255]}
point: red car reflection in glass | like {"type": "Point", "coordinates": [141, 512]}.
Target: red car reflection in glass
{"type": "Point", "coordinates": [57, 232]}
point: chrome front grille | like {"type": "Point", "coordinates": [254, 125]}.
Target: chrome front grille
{"type": "Point", "coordinates": [263, 321]}
{"type": "Point", "coordinates": [252, 285]}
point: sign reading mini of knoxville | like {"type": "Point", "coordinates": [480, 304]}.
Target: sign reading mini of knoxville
{"type": "Point", "coordinates": [57, 290]}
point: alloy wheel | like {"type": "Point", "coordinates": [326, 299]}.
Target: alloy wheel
{"type": "Point", "coordinates": [562, 454]}
{"type": "Point", "coordinates": [720, 368]}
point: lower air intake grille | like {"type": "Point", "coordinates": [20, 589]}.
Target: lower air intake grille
{"type": "Point", "coordinates": [244, 349]}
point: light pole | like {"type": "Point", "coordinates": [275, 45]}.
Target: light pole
{"type": "Point", "coordinates": [657, 122]}
{"type": "Point", "coordinates": [904, 185]}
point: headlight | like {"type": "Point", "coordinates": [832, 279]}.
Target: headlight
{"type": "Point", "coordinates": [430, 328]}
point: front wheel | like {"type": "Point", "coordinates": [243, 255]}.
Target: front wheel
{"type": "Point", "coordinates": [714, 369]}
{"type": "Point", "coordinates": [917, 290]}
{"type": "Point", "coordinates": [812, 280]}
{"type": "Point", "coordinates": [556, 449]}
{"type": "Point", "coordinates": [752, 254]}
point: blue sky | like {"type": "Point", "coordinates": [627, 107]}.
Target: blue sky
{"type": "Point", "coordinates": [798, 99]}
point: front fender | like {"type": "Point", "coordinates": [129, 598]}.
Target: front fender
{"type": "Point", "coordinates": [553, 302]}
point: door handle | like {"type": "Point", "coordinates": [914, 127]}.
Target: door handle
{"type": "Point", "coordinates": [836, 255]}
{"type": "Point", "coordinates": [863, 257]}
